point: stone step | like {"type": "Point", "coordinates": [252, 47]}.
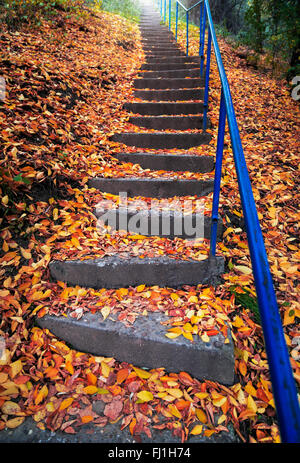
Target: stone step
{"type": "Point", "coordinates": [178, 73]}
{"type": "Point", "coordinates": [168, 83]}
{"type": "Point", "coordinates": [170, 108]}
{"type": "Point", "coordinates": [168, 122]}
{"type": "Point", "coordinates": [168, 66]}
{"type": "Point", "coordinates": [158, 42]}
{"type": "Point", "coordinates": [169, 162]}
{"type": "Point", "coordinates": [116, 272]}
{"type": "Point", "coordinates": [152, 187]}
{"type": "Point", "coordinates": [162, 140]}
{"type": "Point", "coordinates": [157, 48]}
{"type": "Point", "coordinates": [156, 33]}
{"type": "Point", "coordinates": [170, 95]}
{"type": "Point", "coordinates": [111, 433]}
{"type": "Point", "coordinates": [156, 222]}
{"type": "Point", "coordinates": [163, 52]}
{"type": "Point", "coordinates": [175, 59]}
{"type": "Point", "coordinates": [145, 345]}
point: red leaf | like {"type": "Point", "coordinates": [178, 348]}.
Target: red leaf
{"type": "Point", "coordinates": [113, 409]}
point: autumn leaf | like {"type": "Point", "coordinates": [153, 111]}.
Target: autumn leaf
{"type": "Point", "coordinates": [145, 396]}
{"type": "Point", "coordinates": [113, 409]}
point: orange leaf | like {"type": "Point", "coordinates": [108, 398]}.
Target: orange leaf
{"type": "Point", "coordinates": [69, 367]}
{"type": "Point", "coordinates": [243, 367]}
{"type": "Point", "coordinates": [122, 375]}
{"type": "Point", "coordinates": [132, 426]}
{"type": "Point", "coordinates": [66, 403]}
{"type": "Point", "coordinates": [92, 379]}
{"type": "Point", "coordinates": [86, 418]}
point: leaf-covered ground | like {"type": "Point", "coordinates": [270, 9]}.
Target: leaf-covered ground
{"type": "Point", "coordinates": [66, 84]}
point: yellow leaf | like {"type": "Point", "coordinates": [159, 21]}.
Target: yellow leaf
{"type": "Point", "coordinates": [15, 422]}
{"type": "Point", "coordinates": [205, 338]}
{"type": "Point", "coordinates": [16, 367]}
{"type": "Point", "coordinates": [172, 335]}
{"type": "Point", "coordinates": [140, 288]}
{"type": "Point", "coordinates": [197, 429]}
{"type": "Point", "coordinates": [10, 408]}
{"type": "Point", "coordinates": [105, 369]}
{"type": "Point", "coordinates": [90, 389]}
{"type": "Point", "coordinates": [188, 327]}
{"type": "Point", "coordinates": [176, 329]}
{"type": "Point", "coordinates": [193, 299]}
{"type": "Point", "coordinates": [5, 200]}
{"type": "Point", "coordinates": [175, 392]}
{"type": "Point", "coordinates": [243, 269]}
{"type": "Point", "coordinates": [136, 237]}
{"type": "Point", "coordinates": [219, 402]}
{"type": "Point", "coordinates": [201, 395]}
{"type": "Point", "coordinates": [55, 214]}
{"type": "Point", "coordinates": [105, 312]}
{"type": "Point", "coordinates": [145, 396]}
{"type": "Point", "coordinates": [66, 403]}
{"type": "Point", "coordinates": [142, 373]}
{"type": "Point", "coordinates": [26, 253]}
{"type": "Point", "coordinates": [221, 419]}
{"type": "Point", "coordinates": [174, 410]}
{"type": "Point", "coordinates": [188, 336]}
{"type": "Point", "coordinates": [251, 405]}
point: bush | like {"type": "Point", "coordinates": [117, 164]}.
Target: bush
{"type": "Point", "coordinates": [127, 8]}
{"type": "Point", "coordinates": [19, 12]}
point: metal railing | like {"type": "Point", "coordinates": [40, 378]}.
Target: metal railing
{"type": "Point", "coordinates": [283, 382]}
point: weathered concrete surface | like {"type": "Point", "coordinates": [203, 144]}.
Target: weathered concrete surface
{"type": "Point", "coordinates": [145, 344]}
{"type": "Point", "coordinates": [175, 59]}
{"type": "Point", "coordinates": [168, 83]}
{"type": "Point", "coordinates": [152, 187]}
{"type": "Point", "coordinates": [115, 272]}
{"type": "Point", "coordinates": [151, 222]}
{"type": "Point", "coordinates": [170, 95]}
{"type": "Point", "coordinates": [169, 162]}
{"type": "Point", "coordinates": [158, 109]}
{"type": "Point", "coordinates": [162, 140]}
{"type": "Point", "coordinates": [169, 122]}
{"type": "Point", "coordinates": [29, 433]}
{"type": "Point", "coordinates": [168, 66]}
{"type": "Point", "coordinates": [178, 73]}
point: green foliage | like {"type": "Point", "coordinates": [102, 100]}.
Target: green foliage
{"type": "Point", "coordinates": [19, 12]}
{"type": "Point", "coordinates": [256, 25]}
{"type": "Point", "coordinates": [274, 26]}
{"type": "Point", "coordinates": [244, 298]}
{"type": "Point", "coordinates": [127, 8]}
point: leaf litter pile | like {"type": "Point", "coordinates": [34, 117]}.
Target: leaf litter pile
{"type": "Point", "coordinates": [66, 83]}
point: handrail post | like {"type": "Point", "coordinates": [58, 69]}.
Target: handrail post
{"type": "Point", "coordinates": [187, 33]}
{"type": "Point", "coordinates": [176, 27]}
{"type": "Point", "coordinates": [206, 90]}
{"type": "Point", "coordinates": [200, 27]}
{"type": "Point", "coordinates": [202, 42]}
{"type": "Point", "coordinates": [218, 174]}
{"type": "Point", "coordinates": [165, 10]}
{"type": "Point", "coordinates": [169, 14]}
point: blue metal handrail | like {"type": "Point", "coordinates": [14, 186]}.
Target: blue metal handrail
{"type": "Point", "coordinates": [283, 383]}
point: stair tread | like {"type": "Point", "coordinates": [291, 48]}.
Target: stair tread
{"type": "Point", "coordinates": [145, 344]}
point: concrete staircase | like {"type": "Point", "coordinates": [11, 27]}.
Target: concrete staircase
{"type": "Point", "coordinates": [172, 92]}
